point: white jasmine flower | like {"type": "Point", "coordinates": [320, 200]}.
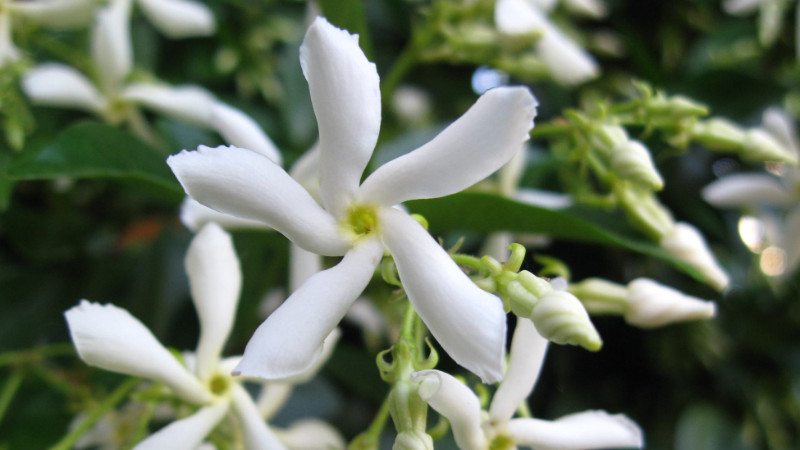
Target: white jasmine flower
{"type": "Point", "coordinates": [568, 63]}
{"type": "Point", "coordinates": [687, 244]}
{"type": "Point", "coordinates": [473, 429]}
{"type": "Point", "coordinates": [55, 14]}
{"type": "Point", "coordinates": [108, 337]}
{"type": "Point", "coordinates": [358, 221]}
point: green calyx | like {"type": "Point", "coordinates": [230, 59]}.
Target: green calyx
{"type": "Point", "coordinates": [219, 384]}
{"type": "Point", "coordinates": [502, 442]}
{"type": "Point", "coordinates": [361, 220]}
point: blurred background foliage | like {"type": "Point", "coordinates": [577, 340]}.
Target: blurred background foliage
{"type": "Point", "coordinates": [98, 220]}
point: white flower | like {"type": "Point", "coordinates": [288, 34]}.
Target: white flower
{"type": "Point", "coordinates": [473, 430]}
{"type": "Point", "coordinates": [687, 244]}
{"type": "Point", "coordinates": [651, 304]}
{"type": "Point", "coordinates": [358, 221]}
{"type": "Point", "coordinates": [568, 63]}
{"type": "Point", "coordinates": [108, 337]}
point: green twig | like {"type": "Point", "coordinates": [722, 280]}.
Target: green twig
{"type": "Point", "coordinates": [109, 403]}
{"type": "Point", "coordinates": [467, 261]}
{"type": "Point", "coordinates": [10, 388]}
{"type": "Point", "coordinates": [35, 354]}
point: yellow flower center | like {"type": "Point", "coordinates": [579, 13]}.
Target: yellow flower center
{"type": "Point", "coordinates": [361, 220]}
{"type": "Point", "coordinates": [219, 384]}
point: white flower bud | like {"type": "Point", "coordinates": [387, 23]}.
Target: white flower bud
{"type": "Point", "coordinates": [652, 305]}
{"type": "Point", "coordinates": [609, 136]}
{"type": "Point", "coordinates": [631, 161]}
{"type": "Point", "coordinates": [560, 317]}
{"type": "Point", "coordinates": [760, 146]}
{"type": "Point", "coordinates": [719, 134]}
{"type": "Point", "coordinates": [687, 244]}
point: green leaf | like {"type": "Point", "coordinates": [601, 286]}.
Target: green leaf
{"type": "Point", "coordinates": [95, 150]}
{"type": "Point", "coordinates": [484, 212]}
{"type": "Point", "coordinates": [350, 15]}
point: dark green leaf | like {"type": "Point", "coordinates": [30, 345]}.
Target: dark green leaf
{"type": "Point", "coordinates": [95, 150]}
{"type": "Point", "coordinates": [482, 212]}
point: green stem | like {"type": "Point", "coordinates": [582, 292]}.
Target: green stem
{"type": "Point", "coordinates": [10, 388]}
{"type": "Point", "coordinates": [407, 330]}
{"type": "Point", "coordinates": [370, 438]}
{"type": "Point", "coordinates": [35, 354]}
{"type": "Point", "coordinates": [109, 403]}
{"type": "Point", "coordinates": [545, 130]}
{"type": "Point", "coordinates": [467, 261]}
{"type": "Point", "coordinates": [404, 63]}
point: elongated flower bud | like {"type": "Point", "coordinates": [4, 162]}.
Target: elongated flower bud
{"type": "Point", "coordinates": [760, 146]}
{"type": "Point", "coordinates": [718, 134]}
{"type": "Point", "coordinates": [645, 211]}
{"type": "Point", "coordinates": [631, 161]}
{"type": "Point", "coordinates": [560, 317]}
{"type": "Point", "coordinates": [608, 136]}
{"type": "Point", "coordinates": [651, 304]}
{"type": "Point", "coordinates": [688, 245]}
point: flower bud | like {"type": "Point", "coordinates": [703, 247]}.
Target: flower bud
{"type": "Point", "coordinates": [652, 305]}
{"type": "Point", "coordinates": [601, 296]}
{"type": "Point", "coordinates": [718, 134]}
{"type": "Point", "coordinates": [607, 137]}
{"type": "Point", "coordinates": [645, 211]}
{"type": "Point", "coordinates": [687, 244]}
{"type": "Point", "coordinates": [560, 317]}
{"type": "Point", "coordinates": [760, 146]}
{"type": "Point", "coordinates": [412, 440]}
{"type": "Point", "coordinates": [630, 160]}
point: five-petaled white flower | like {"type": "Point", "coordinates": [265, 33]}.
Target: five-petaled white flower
{"type": "Point", "coordinates": [474, 430]}
{"type": "Point", "coordinates": [357, 221]}
{"type": "Point", "coordinates": [109, 337]}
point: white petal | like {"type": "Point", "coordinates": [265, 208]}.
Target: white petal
{"type": "Point", "coordinates": [188, 103]}
{"type": "Point", "coordinates": [781, 126]}
{"type": "Point", "coordinates": [179, 18]}
{"type": "Point", "coordinates": [525, 361]}
{"type": "Point", "coordinates": [687, 244]}
{"type": "Point", "coordinates": [595, 9]}
{"type": "Point", "coordinates": [112, 51]}
{"type": "Point", "coordinates": [311, 434]}
{"type": "Point", "coordinates": [215, 279]}
{"type": "Point", "coordinates": [302, 265]}
{"type": "Point", "coordinates": [544, 5]}
{"type": "Point", "coordinates": [653, 305]}
{"type": "Point", "coordinates": [366, 315]}
{"type": "Point", "coordinates": [194, 215]}
{"type": "Point", "coordinates": [568, 63]}
{"type": "Point", "coordinates": [543, 199]}
{"type": "Point", "coordinates": [257, 435]}
{"type": "Point", "coordinates": [273, 396]}
{"type": "Point", "coordinates": [110, 338]}
{"type": "Point", "coordinates": [741, 7]}
{"type": "Point", "coordinates": [55, 13]}
{"type": "Point", "coordinates": [328, 345]}
{"type": "Point", "coordinates": [584, 430]}
{"type": "Point", "coordinates": [496, 246]}
{"type": "Point", "coordinates": [455, 401]}
{"type": "Point", "coordinates": [347, 102]}
{"type": "Point", "coordinates": [468, 322]}
{"type": "Point", "coordinates": [239, 130]}
{"type": "Point", "coordinates": [306, 171]}
{"type": "Point", "coordinates": [187, 433]}
{"type": "Point", "coordinates": [291, 338]}
{"type": "Point", "coordinates": [741, 190]}
{"type": "Point", "coordinates": [248, 185]}
{"type": "Point", "coordinates": [62, 86]}
{"type": "Point", "coordinates": [480, 142]}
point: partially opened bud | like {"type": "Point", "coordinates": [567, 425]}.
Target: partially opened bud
{"type": "Point", "coordinates": [687, 244]}
{"type": "Point", "coordinates": [652, 305]}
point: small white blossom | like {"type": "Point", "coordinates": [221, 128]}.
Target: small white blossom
{"type": "Point", "coordinates": [357, 221]}
{"type": "Point", "coordinates": [568, 63]}
{"type": "Point", "coordinates": [474, 430]}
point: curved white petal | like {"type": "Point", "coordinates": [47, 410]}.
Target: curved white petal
{"type": "Point", "coordinates": [579, 431]}
{"type": "Point", "coordinates": [187, 433]}
{"type": "Point", "coordinates": [179, 18]}
{"type": "Point", "coordinates": [62, 86]}
{"type": "Point", "coordinates": [455, 401]}
{"type": "Point", "coordinates": [568, 63]}
{"type": "Point", "coordinates": [239, 130]}
{"type": "Point", "coordinates": [747, 189]}
{"type": "Point", "coordinates": [55, 13]}
{"type": "Point", "coordinates": [112, 51]}
{"type": "Point", "coordinates": [468, 322]}
{"type": "Point", "coordinates": [257, 435]}
{"type": "Point", "coordinates": [215, 279]}
{"type": "Point", "coordinates": [292, 337]}
{"type": "Point", "coordinates": [525, 361]}
{"type": "Point", "coordinates": [194, 215]}
{"type": "Point", "coordinates": [246, 184]}
{"type": "Point", "coordinates": [188, 103]}
{"type": "Point", "coordinates": [781, 126]}
{"type": "Point", "coordinates": [302, 265]}
{"type": "Point", "coordinates": [311, 434]}
{"type": "Point", "coordinates": [543, 199]}
{"type": "Point", "coordinates": [346, 96]}
{"type": "Point", "coordinates": [653, 305]}
{"type": "Point", "coordinates": [480, 142]}
{"type": "Point", "coordinates": [108, 337]}
{"type": "Point", "coordinates": [8, 51]}
{"type": "Point", "coordinates": [273, 396]}
{"type": "Point", "coordinates": [687, 244]}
